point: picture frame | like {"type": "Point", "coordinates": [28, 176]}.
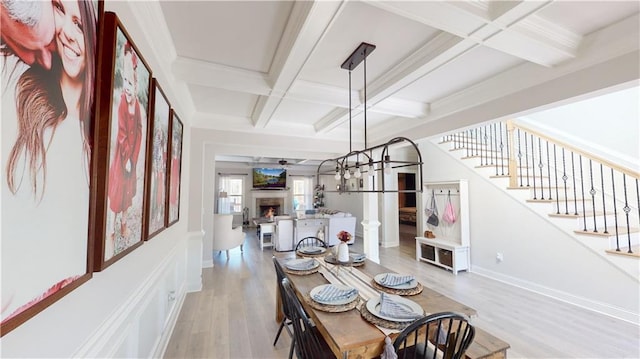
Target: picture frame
{"type": "Point", "coordinates": [175, 170]}
{"type": "Point", "coordinates": [47, 245]}
{"type": "Point", "coordinates": [157, 163]}
{"type": "Point", "coordinates": [122, 140]}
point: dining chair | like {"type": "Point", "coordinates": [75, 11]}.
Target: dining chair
{"type": "Point", "coordinates": [444, 335]}
{"type": "Point", "coordinates": [310, 242]}
{"type": "Point", "coordinates": [309, 344]}
{"type": "Point", "coordinates": [286, 308]}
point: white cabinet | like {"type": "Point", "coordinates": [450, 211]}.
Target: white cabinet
{"type": "Point", "coordinates": [450, 248]}
{"type": "Point", "coordinates": [446, 254]}
{"type": "Point", "coordinates": [309, 227]}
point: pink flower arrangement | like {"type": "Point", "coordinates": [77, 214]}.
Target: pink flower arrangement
{"type": "Point", "coordinates": [344, 236]}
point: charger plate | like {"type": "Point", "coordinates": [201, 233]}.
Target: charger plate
{"type": "Point", "coordinates": [379, 277]}
{"type": "Point", "coordinates": [331, 259]}
{"type": "Point", "coordinates": [369, 317]}
{"type": "Point", "coordinates": [411, 291]}
{"type": "Point", "coordinates": [332, 308]}
{"type": "Point", "coordinates": [302, 254]}
{"type": "Point", "coordinates": [301, 272]}
{"type": "Point", "coordinates": [342, 301]}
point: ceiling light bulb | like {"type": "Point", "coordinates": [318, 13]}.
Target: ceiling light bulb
{"type": "Point", "coordinates": [372, 169]}
{"type": "Point", "coordinates": [337, 176]}
{"type": "Point", "coordinates": [387, 165]}
{"type": "Point", "coordinates": [357, 173]}
{"type": "Point", "coordinates": [347, 174]}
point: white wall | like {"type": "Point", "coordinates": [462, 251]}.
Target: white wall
{"type": "Point", "coordinates": [607, 125]}
{"type": "Point", "coordinates": [537, 255]}
{"type": "Point", "coordinates": [129, 309]}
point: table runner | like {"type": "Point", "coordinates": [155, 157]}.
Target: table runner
{"type": "Point", "coordinates": [355, 278]}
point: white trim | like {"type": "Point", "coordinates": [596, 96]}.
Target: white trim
{"type": "Point", "coordinates": [170, 324]}
{"type": "Point", "coordinates": [599, 307]}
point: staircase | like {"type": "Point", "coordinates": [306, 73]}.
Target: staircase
{"type": "Point", "coordinates": [593, 199]}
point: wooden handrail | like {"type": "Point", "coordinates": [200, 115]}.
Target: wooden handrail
{"type": "Point", "coordinates": [604, 161]}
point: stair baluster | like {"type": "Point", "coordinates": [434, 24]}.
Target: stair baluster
{"type": "Point", "coordinates": [584, 209]}
{"type": "Point", "coordinates": [604, 207]}
{"type": "Point", "coordinates": [555, 166]}
{"type": "Point", "coordinates": [564, 179]}
{"type": "Point", "coordinates": [575, 197]}
{"type": "Point", "coordinates": [592, 192]}
{"type": "Point", "coordinates": [540, 165]}
{"type": "Point", "coordinates": [615, 211]}
{"type": "Point", "coordinates": [533, 167]}
{"type": "Point", "coordinates": [627, 210]}
{"type": "Point", "coordinates": [501, 152]}
{"type": "Point", "coordinates": [548, 170]}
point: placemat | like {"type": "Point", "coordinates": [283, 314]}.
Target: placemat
{"type": "Point", "coordinates": [366, 314]}
{"type": "Point", "coordinates": [301, 272]}
{"type": "Point", "coordinates": [331, 259]}
{"type": "Point", "coordinates": [412, 291]}
{"type": "Point", "coordinates": [308, 255]}
{"type": "Point", "coordinates": [332, 308]}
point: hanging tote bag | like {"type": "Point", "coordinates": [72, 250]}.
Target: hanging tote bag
{"type": "Point", "coordinates": [432, 218]}
{"type": "Point", "coordinates": [449, 215]}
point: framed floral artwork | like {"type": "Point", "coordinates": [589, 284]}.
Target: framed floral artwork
{"type": "Point", "coordinates": [122, 135]}
{"type": "Point", "coordinates": [175, 169]}
{"type": "Point", "coordinates": [156, 202]}
{"type": "Point", "coordinates": [47, 102]}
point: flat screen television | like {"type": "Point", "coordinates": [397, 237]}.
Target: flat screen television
{"type": "Point", "coordinates": [269, 178]}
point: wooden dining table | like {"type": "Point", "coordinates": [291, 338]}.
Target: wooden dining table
{"type": "Point", "coordinates": [349, 335]}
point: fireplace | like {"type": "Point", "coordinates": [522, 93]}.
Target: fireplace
{"type": "Point", "coordinates": [263, 205]}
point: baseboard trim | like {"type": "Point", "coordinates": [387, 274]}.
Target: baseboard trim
{"type": "Point", "coordinates": [599, 307]}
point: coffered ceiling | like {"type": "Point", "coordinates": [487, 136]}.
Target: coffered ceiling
{"type": "Point", "coordinates": [264, 72]}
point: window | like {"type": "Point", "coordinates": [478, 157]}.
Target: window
{"type": "Point", "coordinates": [234, 188]}
{"type": "Point", "coordinates": [302, 193]}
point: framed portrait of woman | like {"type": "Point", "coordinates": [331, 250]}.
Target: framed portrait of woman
{"type": "Point", "coordinates": [122, 135]}
{"type": "Point", "coordinates": [156, 202]}
{"type": "Point", "coordinates": [48, 96]}
{"type": "Point", "coordinates": [175, 168]}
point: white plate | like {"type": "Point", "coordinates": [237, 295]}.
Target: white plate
{"type": "Point", "coordinates": [298, 261]}
{"type": "Point", "coordinates": [373, 306]}
{"type": "Point", "coordinates": [312, 250]}
{"type": "Point", "coordinates": [410, 285]}
{"type": "Point", "coordinates": [317, 290]}
{"type": "Point", "coordinates": [355, 261]}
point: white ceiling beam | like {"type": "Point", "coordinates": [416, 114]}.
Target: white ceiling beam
{"type": "Point", "coordinates": [434, 54]}
{"type": "Point", "coordinates": [608, 57]}
{"type": "Point", "coordinates": [208, 74]}
{"type": "Point", "coordinates": [308, 24]}
{"type": "Point", "coordinates": [510, 27]}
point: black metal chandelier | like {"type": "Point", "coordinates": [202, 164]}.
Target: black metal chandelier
{"type": "Point", "coordinates": [349, 165]}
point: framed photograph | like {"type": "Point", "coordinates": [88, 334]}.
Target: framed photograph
{"type": "Point", "coordinates": [175, 169]}
{"type": "Point", "coordinates": [122, 135]}
{"type": "Point", "coordinates": [46, 246]}
{"type": "Point", "coordinates": [156, 202]}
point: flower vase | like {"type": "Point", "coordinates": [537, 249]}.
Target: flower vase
{"type": "Point", "coordinates": [343, 252]}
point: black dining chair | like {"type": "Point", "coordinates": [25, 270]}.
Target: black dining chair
{"type": "Point", "coordinates": [309, 344]}
{"type": "Point", "coordinates": [286, 308]}
{"type": "Point", "coordinates": [311, 242]}
{"type": "Point", "coordinates": [441, 335]}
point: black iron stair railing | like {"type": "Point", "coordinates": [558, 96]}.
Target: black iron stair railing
{"type": "Point", "coordinates": [519, 152]}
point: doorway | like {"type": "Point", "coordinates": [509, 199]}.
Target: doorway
{"type": "Point", "coordinates": [407, 214]}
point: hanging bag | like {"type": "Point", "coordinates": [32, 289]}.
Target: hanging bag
{"type": "Point", "coordinates": [432, 218]}
{"type": "Point", "coordinates": [449, 215]}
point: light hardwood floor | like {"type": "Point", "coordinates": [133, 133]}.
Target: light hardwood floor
{"type": "Point", "coordinates": [233, 316]}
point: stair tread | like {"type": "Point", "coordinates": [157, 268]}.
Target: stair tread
{"type": "Point", "coordinates": [624, 251]}
{"type": "Point", "coordinates": [530, 187]}
{"type": "Point", "coordinates": [579, 215]}
{"type": "Point", "coordinates": [611, 231]}
{"type": "Point", "coordinates": [561, 200]}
